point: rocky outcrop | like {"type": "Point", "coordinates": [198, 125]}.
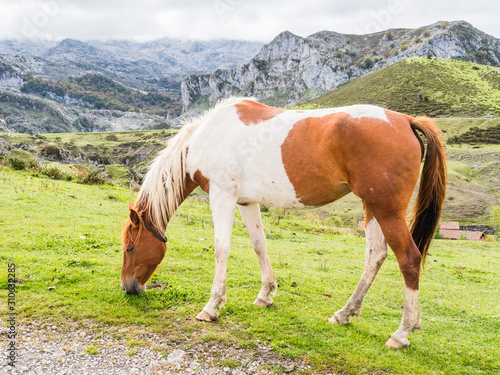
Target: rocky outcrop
{"type": "Point", "coordinates": [25, 113]}
{"type": "Point", "coordinates": [291, 69]}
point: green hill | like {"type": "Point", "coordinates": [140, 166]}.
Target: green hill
{"type": "Point", "coordinates": [423, 86]}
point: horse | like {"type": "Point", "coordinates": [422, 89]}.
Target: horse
{"type": "Point", "coordinates": [244, 153]}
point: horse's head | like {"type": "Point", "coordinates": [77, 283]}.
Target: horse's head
{"type": "Point", "coordinates": [143, 249]}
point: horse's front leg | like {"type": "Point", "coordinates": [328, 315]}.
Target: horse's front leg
{"type": "Point", "coordinates": [223, 206]}
{"type": "Point", "coordinates": [253, 221]}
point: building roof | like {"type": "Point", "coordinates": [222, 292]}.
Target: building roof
{"type": "Point", "coordinates": [454, 234]}
{"type": "Point", "coordinates": [449, 225]}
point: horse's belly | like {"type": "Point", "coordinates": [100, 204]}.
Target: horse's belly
{"type": "Point", "coordinates": [271, 192]}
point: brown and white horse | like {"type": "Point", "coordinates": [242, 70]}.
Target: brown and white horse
{"type": "Point", "coordinates": [243, 153]}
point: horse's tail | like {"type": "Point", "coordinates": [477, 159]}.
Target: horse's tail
{"type": "Point", "coordinates": [432, 190]}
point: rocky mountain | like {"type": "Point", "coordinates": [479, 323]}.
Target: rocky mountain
{"type": "Point", "coordinates": [160, 63]}
{"type": "Point", "coordinates": [26, 113]}
{"type": "Point", "coordinates": [292, 69]}
{"type": "Point", "coordinates": [152, 70]}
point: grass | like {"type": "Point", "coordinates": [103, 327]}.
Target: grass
{"type": "Point", "coordinates": [420, 86]}
{"type": "Point", "coordinates": [73, 244]}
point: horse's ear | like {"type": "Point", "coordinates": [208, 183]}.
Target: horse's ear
{"type": "Point", "coordinates": [134, 216]}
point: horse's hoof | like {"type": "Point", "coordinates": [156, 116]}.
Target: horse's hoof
{"type": "Point", "coordinates": [206, 317]}
{"type": "Point", "coordinates": [263, 303]}
{"type": "Point", "coordinates": [336, 319]}
{"type": "Point", "coordinates": [397, 343]}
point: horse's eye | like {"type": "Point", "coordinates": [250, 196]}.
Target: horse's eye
{"type": "Point", "coordinates": [130, 248]}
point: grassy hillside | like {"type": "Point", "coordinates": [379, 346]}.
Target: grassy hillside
{"type": "Point", "coordinates": [422, 86]}
{"type": "Point", "coordinates": [65, 236]}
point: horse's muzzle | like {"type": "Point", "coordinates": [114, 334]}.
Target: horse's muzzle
{"type": "Point", "coordinates": [133, 288]}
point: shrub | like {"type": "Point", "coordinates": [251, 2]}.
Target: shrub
{"type": "Point", "coordinates": [90, 175]}
{"type": "Point", "coordinates": [17, 164]}
{"type": "Point", "coordinates": [335, 221]}
{"type": "Point", "coordinates": [437, 235]}
{"type": "Point", "coordinates": [367, 63]}
{"type": "Point", "coordinates": [111, 137]}
{"type": "Point", "coordinates": [50, 150]}
{"type": "Point", "coordinates": [33, 166]}
{"type": "Point", "coordinates": [495, 217]}
{"type": "Point", "coordinates": [55, 173]}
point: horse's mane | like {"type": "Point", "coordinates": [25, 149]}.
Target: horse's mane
{"type": "Point", "coordinates": [163, 186]}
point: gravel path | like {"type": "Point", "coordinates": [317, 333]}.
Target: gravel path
{"type": "Point", "coordinates": [72, 349]}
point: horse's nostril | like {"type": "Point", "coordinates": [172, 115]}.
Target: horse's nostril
{"type": "Point", "coordinates": [123, 288]}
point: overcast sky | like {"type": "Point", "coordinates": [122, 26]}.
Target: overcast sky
{"type": "Point", "coordinates": [258, 20]}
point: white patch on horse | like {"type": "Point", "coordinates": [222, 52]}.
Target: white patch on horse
{"type": "Point", "coordinates": [409, 322]}
{"type": "Point", "coordinates": [355, 111]}
{"type": "Point", "coordinates": [247, 159]}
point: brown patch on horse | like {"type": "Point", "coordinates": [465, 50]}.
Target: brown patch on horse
{"type": "Point", "coordinates": [313, 166]}
{"type": "Point", "coordinates": [253, 113]}
{"type": "Point", "coordinates": [201, 181]}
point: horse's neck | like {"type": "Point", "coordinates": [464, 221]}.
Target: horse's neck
{"type": "Point", "coordinates": [143, 206]}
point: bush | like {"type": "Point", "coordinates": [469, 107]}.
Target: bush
{"type": "Point", "coordinates": [50, 150]}
{"type": "Point", "coordinates": [17, 164]}
{"type": "Point", "coordinates": [335, 221]}
{"type": "Point", "coordinates": [111, 137]}
{"type": "Point", "coordinates": [495, 217]}
{"type": "Point", "coordinates": [368, 63]}
{"type": "Point", "coordinates": [56, 174]}
{"type": "Point", "coordinates": [437, 235]}
{"type": "Point", "coordinates": [90, 175]}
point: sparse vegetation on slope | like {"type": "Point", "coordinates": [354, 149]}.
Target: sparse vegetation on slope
{"type": "Point", "coordinates": [423, 86]}
{"type": "Point", "coordinates": [124, 155]}
{"type": "Point", "coordinates": [101, 92]}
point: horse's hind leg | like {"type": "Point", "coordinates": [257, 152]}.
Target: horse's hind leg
{"type": "Point", "coordinates": [223, 205]}
{"type": "Point", "coordinates": [408, 256]}
{"type": "Point", "coordinates": [251, 216]}
{"type": "Point", "coordinates": [376, 253]}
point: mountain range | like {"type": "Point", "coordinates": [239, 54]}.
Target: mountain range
{"type": "Point", "coordinates": [157, 63]}
{"type": "Point", "coordinates": [292, 69]}
{"type": "Point", "coordinates": [34, 76]}
{"type": "Point", "coordinates": [72, 85]}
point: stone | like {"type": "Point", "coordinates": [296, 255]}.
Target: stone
{"type": "Point", "coordinates": [154, 366]}
{"type": "Point", "coordinates": [59, 353]}
{"type": "Point", "coordinates": [194, 365]}
{"type": "Point", "coordinates": [176, 356]}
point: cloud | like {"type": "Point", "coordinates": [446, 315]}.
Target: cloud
{"type": "Point", "coordinates": [229, 19]}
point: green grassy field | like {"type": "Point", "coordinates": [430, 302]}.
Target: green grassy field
{"type": "Point", "coordinates": [72, 243]}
